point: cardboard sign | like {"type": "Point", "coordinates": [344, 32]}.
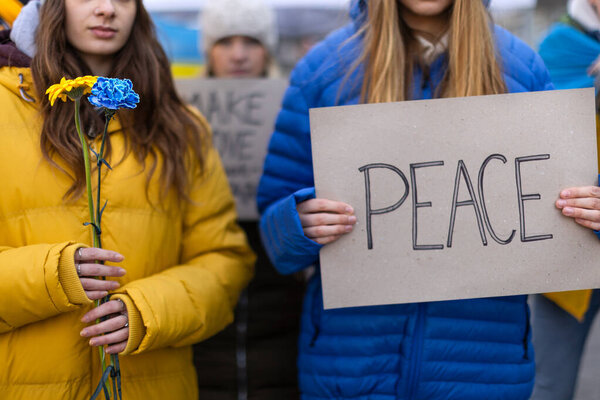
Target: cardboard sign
{"type": "Point", "coordinates": [242, 115]}
{"type": "Point", "coordinates": [455, 197]}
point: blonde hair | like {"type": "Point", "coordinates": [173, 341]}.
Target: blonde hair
{"type": "Point", "coordinates": [472, 65]}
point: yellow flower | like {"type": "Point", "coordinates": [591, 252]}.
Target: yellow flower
{"type": "Point", "coordinates": [72, 88]}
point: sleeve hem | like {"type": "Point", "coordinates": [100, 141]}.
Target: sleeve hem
{"type": "Point", "coordinates": [137, 331]}
{"type": "Point", "coordinates": [68, 278]}
{"type": "Point", "coordinates": [283, 238]}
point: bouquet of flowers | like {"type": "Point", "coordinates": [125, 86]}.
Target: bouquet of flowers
{"type": "Point", "coordinates": [109, 94]}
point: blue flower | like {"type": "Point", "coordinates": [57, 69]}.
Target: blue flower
{"type": "Point", "coordinates": [112, 93]}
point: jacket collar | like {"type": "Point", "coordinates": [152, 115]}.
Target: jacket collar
{"type": "Point", "coordinates": [9, 54]}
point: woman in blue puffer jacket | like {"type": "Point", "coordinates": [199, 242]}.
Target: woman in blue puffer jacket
{"type": "Point", "coordinates": [394, 50]}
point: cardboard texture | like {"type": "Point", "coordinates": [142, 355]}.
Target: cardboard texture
{"type": "Point", "coordinates": [460, 196]}
{"type": "Point", "coordinates": [242, 116]}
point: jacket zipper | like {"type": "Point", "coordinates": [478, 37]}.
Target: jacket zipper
{"type": "Point", "coordinates": [426, 83]}
{"type": "Point", "coordinates": [315, 314]}
{"type": "Point", "coordinates": [417, 352]}
{"type": "Point", "coordinates": [414, 370]}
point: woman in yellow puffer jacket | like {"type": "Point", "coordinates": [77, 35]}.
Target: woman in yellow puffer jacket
{"type": "Point", "coordinates": [169, 223]}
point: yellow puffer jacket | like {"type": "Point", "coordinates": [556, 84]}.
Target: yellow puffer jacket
{"type": "Point", "coordinates": [186, 265]}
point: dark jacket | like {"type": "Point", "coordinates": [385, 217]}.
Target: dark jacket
{"type": "Point", "coordinates": [255, 357]}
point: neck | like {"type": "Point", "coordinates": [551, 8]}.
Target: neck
{"type": "Point", "coordinates": [100, 65]}
{"type": "Point", "coordinates": [430, 27]}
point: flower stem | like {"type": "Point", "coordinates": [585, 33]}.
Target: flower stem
{"type": "Point", "coordinates": [86, 163]}
{"type": "Point", "coordinates": [88, 184]}
{"type": "Point", "coordinates": [100, 155]}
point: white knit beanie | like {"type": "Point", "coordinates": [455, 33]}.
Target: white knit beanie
{"type": "Point", "coordinates": [224, 18]}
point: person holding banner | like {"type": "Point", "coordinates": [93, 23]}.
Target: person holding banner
{"type": "Point", "coordinates": [394, 50]}
{"type": "Point", "coordinates": [176, 261]}
{"type": "Point", "coordinates": [562, 321]}
{"type": "Point", "coordinates": [255, 357]}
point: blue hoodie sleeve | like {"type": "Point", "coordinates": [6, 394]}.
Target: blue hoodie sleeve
{"type": "Point", "coordinates": [281, 232]}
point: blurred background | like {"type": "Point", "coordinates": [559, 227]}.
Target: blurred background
{"type": "Point", "coordinates": [302, 23]}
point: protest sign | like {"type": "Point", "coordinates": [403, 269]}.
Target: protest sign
{"type": "Point", "coordinates": [242, 115]}
{"type": "Point", "coordinates": [455, 197]}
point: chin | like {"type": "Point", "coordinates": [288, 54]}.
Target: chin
{"type": "Point", "coordinates": [426, 8]}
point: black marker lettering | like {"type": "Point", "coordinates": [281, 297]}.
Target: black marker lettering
{"type": "Point", "coordinates": [524, 197]}
{"type": "Point", "coordinates": [486, 217]}
{"type": "Point", "coordinates": [417, 205]}
{"type": "Point", "coordinates": [370, 212]}
{"type": "Point", "coordinates": [461, 170]}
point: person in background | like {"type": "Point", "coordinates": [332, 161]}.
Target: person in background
{"type": "Point", "coordinates": [396, 50]}
{"type": "Point", "coordinates": [562, 321]}
{"type": "Point", "coordinates": [239, 39]}
{"type": "Point", "coordinates": [176, 259]}
{"type": "Point", "coordinates": [255, 358]}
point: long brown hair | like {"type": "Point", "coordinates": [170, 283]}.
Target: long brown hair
{"type": "Point", "coordinates": [388, 66]}
{"type": "Point", "coordinates": [160, 128]}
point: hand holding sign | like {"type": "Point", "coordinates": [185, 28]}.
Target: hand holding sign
{"type": "Point", "coordinates": [325, 221]}
{"type": "Point", "coordinates": [458, 197]}
{"type": "Point", "coordinates": [582, 204]}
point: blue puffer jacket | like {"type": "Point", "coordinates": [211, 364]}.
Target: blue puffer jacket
{"type": "Point", "coordinates": [468, 349]}
{"type": "Point", "coordinates": [568, 53]}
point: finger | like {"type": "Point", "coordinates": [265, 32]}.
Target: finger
{"type": "Point", "coordinates": [591, 203]}
{"type": "Point", "coordinates": [96, 254]}
{"type": "Point", "coordinates": [110, 325]}
{"type": "Point", "coordinates": [110, 307]}
{"type": "Point", "coordinates": [327, 240]}
{"type": "Point", "coordinates": [324, 205]}
{"type": "Point", "coordinates": [98, 284]}
{"type": "Point", "coordinates": [100, 270]}
{"type": "Point", "coordinates": [326, 219]}
{"type": "Point", "coordinates": [588, 224]}
{"type": "Point", "coordinates": [116, 348]}
{"type": "Point", "coordinates": [111, 338]}
{"type": "Point", "coordinates": [322, 231]}
{"type": "Point", "coordinates": [95, 295]}
{"type": "Point", "coordinates": [582, 213]}
{"type": "Point", "coordinates": [580, 191]}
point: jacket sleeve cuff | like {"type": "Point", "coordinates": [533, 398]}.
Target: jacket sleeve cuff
{"type": "Point", "coordinates": [68, 278]}
{"type": "Point", "coordinates": [282, 235]}
{"type": "Point", "coordinates": [137, 330]}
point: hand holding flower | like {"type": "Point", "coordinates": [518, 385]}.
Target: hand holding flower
{"type": "Point", "coordinates": [113, 332]}
{"type": "Point", "coordinates": [109, 94]}
{"type": "Point", "coordinates": [88, 269]}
